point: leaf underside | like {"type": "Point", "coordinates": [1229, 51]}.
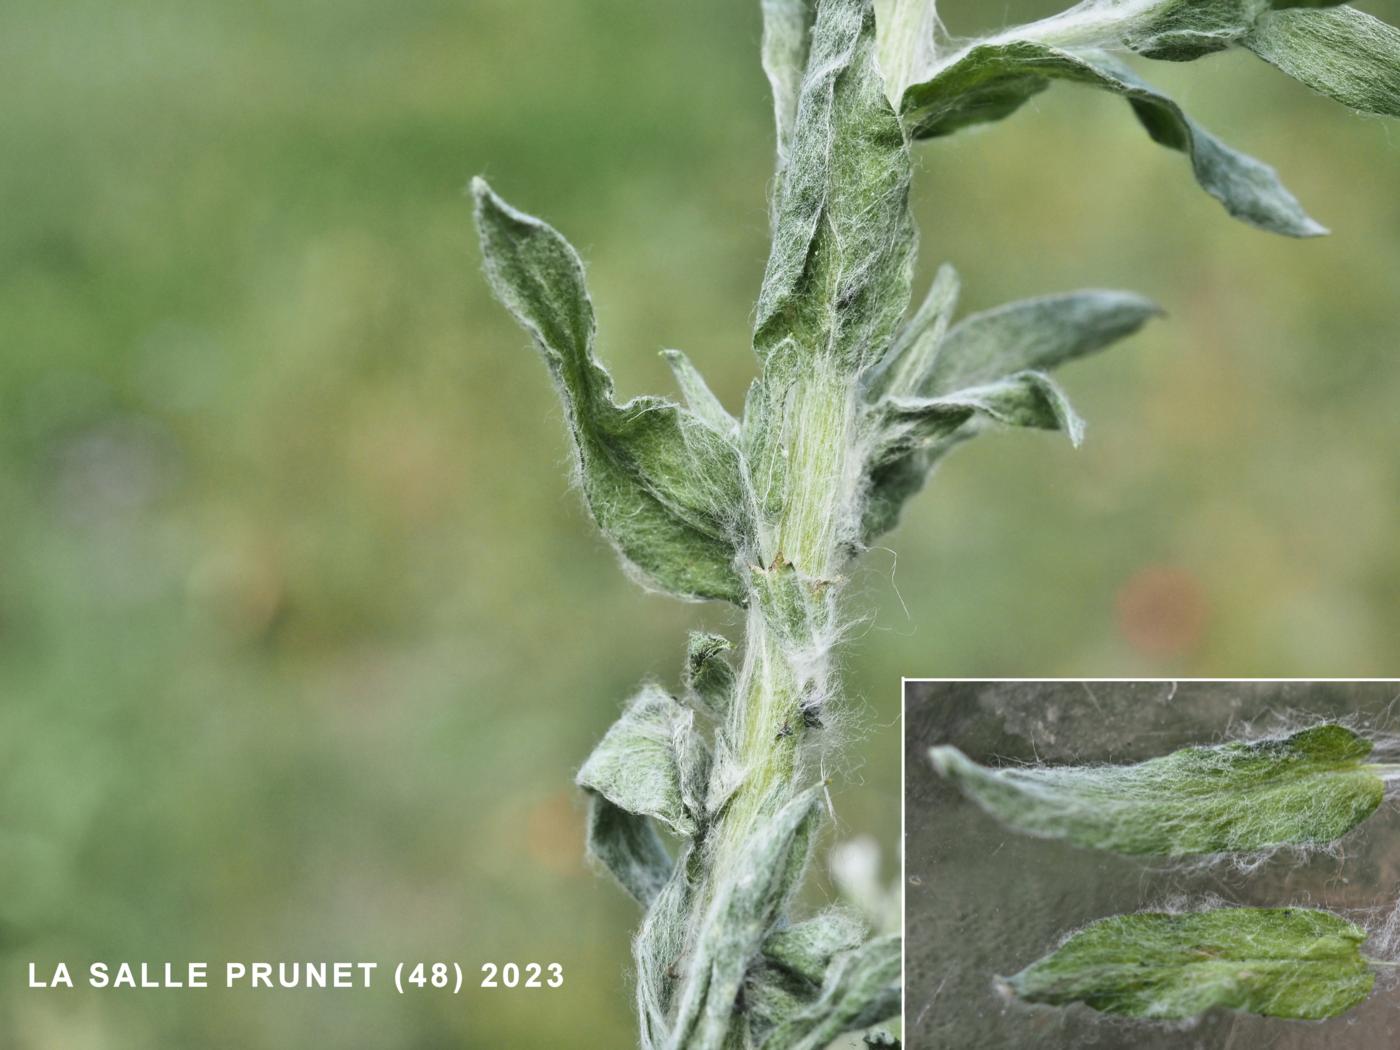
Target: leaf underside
{"type": "Point", "coordinates": [1280, 962]}
{"type": "Point", "coordinates": [1307, 788]}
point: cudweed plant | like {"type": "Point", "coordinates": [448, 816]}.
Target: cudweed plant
{"type": "Point", "coordinates": [856, 402]}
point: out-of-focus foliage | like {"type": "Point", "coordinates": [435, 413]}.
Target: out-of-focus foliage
{"type": "Point", "coordinates": [289, 655]}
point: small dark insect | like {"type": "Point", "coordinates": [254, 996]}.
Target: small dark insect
{"type": "Point", "coordinates": [786, 731]}
{"type": "Point", "coordinates": [811, 719]}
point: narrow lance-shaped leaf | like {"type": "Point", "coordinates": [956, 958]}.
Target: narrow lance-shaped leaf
{"type": "Point", "coordinates": [747, 905]}
{"type": "Point", "coordinates": [665, 487]}
{"type": "Point", "coordinates": [905, 34]}
{"type": "Point", "coordinates": [1342, 53]}
{"type": "Point", "coordinates": [708, 675]}
{"type": "Point", "coordinates": [699, 398]}
{"type": "Point", "coordinates": [1038, 334]}
{"type": "Point", "coordinates": [1311, 787]}
{"type": "Point", "coordinates": [1027, 399]}
{"type": "Point", "coordinates": [989, 81]}
{"type": "Point", "coordinates": [658, 947]}
{"type": "Point", "coordinates": [794, 962]}
{"type": "Point", "coordinates": [787, 27]}
{"type": "Point", "coordinates": [1280, 962]}
{"type": "Point", "coordinates": [837, 280]}
{"type": "Point", "coordinates": [902, 372]}
{"type": "Point", "coordinates": [861, 988]}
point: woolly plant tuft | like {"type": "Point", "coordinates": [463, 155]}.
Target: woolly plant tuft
{"type": "Point", "coordinates": [856, 402]}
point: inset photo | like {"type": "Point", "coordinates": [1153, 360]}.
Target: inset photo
{"type": "Point", "coordinates": [1152, 864]}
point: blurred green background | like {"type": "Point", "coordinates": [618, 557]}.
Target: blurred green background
{"type": "Point", "coordinates": [301, 632]}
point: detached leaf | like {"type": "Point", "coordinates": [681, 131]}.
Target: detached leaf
{"type": "Point", "coordinates": [1038, 334]}
{"type": "Point", "coordinates": [989, 81]}
{"type": "Point", "coordinates": [861, 988]}
{"type": "Point", "coordinates": [664, 487]}
{"type": "Point", "coordinates": [837, 280]}
{"type": "Point", "coordinates": [1310, 787]}
{"type": "Point", "coordinates": [1279, 962]}
{"type": "Point", "coordinates": [1342, 53]}
{"type": "Point", "coordinates": [639, 764]}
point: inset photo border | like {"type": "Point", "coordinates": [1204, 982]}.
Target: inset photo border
{"type": "Point", "coordinates": [1145, 864]}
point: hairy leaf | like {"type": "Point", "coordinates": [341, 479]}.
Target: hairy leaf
{"type": "Point", "coordinates": [629, 847]}
{"type": "Point", "coordinates": [1279, 962]}
{"type": "Point", "coordinates": [699, 398]}
{"type": "Point", "coordinates": [657, 951]}
{"type": "Point", "coordinates": [746, 906]}
{"type": "Point", "coordinates": [1341, 52]}
{"type": "Point", "coordinates": [644, 763]}
{"type": "Point", "coordinates": [665, 487]}
{"type": "Point", "coordinates": [905, 35]}
{"type": "Point", "coordinates": [837, 280]}
{"type": "Point", "coordinates": [989, 81]}
{"type": "Point", "coordinates": [806, 948]}
{"type": "Point", "coordinates": [787, 27]}
{"type": "Point", "coordinates": [903, 370]}
{"type": "Point", "coordinates": [1310, 787]}
{"type": "Point", "coordinates": [708, 675]}
{"type": "Point", "coordinates": [1027, 399]}
{"type": "Point", "coordinates": [1037, 334]}
{"type": "Point", "coordinates": [861, 988]}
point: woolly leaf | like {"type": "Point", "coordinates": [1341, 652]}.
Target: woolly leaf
{"type": "Point", "coordinates": [989, 81]}
{"type": "Point", "coordinates": [708, 675]}
{"type": "Point", "coordinates": [1279, 962]}
{"type": "Point", "coordinates": [787, 25]}
{"type": "Point", "coordinates": [638, 765]}
{"type": "Point", "coordinates": [629, 847]}
{"type": "Point", "coordinates": [1342, 53]}
{"type": "Point", "coordinates": [837, 280]}
{"type": "Point", "coordinates": [699, 398]}
{"type": "Point", "coordinates": [905, 36]}
{"type": "Point", "coordinates": [1038, 334]}
{"type": "Point", "coordinates": [806, 948]}
{"type": "Point", "coordinates": [902, 372]}
{"type": "Point", "coordinates": [664, 487]}
{"type": "Point", "coordinates": [746, 906]}
{"type": "Point", "coordinates": [1310, 787]}
{"type": "Point", "coordinates": [861, 988]}
{"type": "Point", "coordinates": [657, 950]}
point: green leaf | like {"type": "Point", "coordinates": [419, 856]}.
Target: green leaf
{"type": "Point", "coordinates": [645, 762]}
{"type": "Point", "coordinates": [746, 906]}
{"type": "Point", "coordinates": [1310, 787]}
{"type": "Point", "coordinates": [699, 397]}
{"type": "Point", "coordinates": [665, 487]}
{"type": "Point", "coordinates": [902, 372]}
{"type": "Point", "coordinates": [837, 280]}
{"type": "Point", "coordinates": [787, 27]}
{"type": "Point", "coordinates": [1027, 399]}
{"type": "Point", "coordinates": [708, 675]}
{"type": "Point", "coordinates": [806, 948]}
{"type": "Point", "coordinates": [861, 988]}
{"type": "Point", "coordinates": [905, 36]}
{"type": "Point", "coordinates": [1342, 53]}
{"type": "Point", "coordinates": [990, 81]}
{"type": "Point", "coordinates": [1279, 962]}
{"type": "Point", "coordinates": [1037, 334]}
{"type": "Point", "coordinates": [657, 951]}
{"type": "Point", "coordinates": [629, 847]}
